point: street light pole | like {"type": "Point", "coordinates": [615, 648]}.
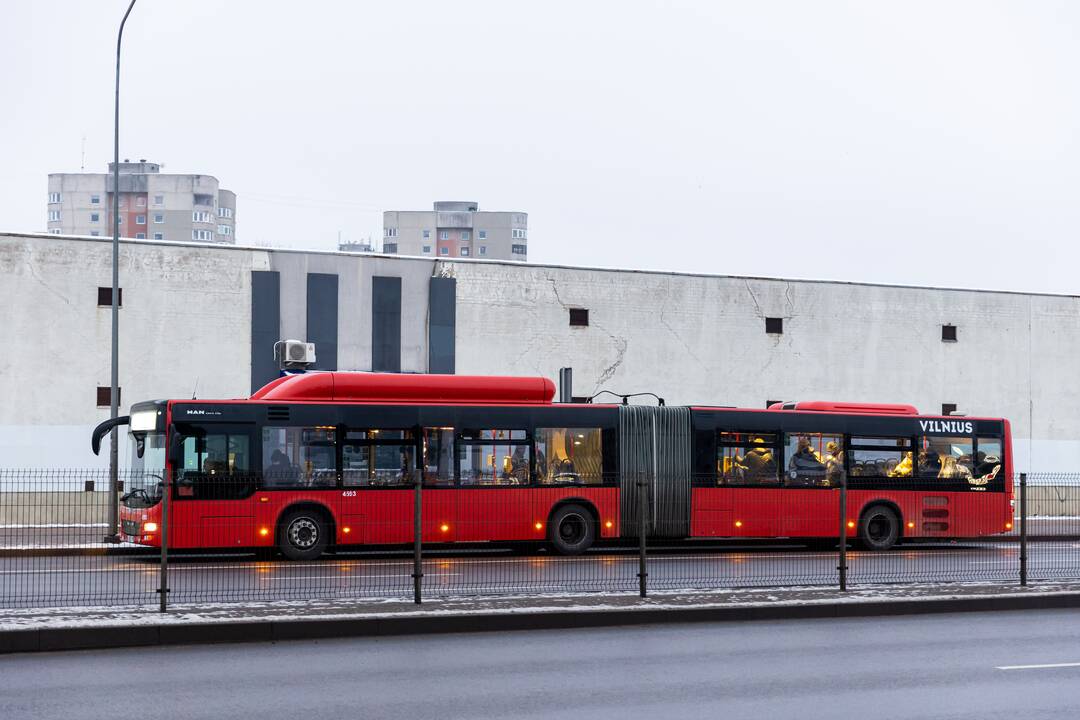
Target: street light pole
{"type": "Point", "coordinates": [114, 399]}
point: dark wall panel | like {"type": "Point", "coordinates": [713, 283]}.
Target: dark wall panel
{"type": "Point", "coordinates": [442, 320]}
{"type": "Point", "coordinates": [265, 326]}
{"type": "Point", "coordinates": [386, 324]}
{"type": "Point", "coordinates": [322, 318]}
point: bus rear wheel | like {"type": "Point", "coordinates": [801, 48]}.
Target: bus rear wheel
{"type": "Point", "coordinates": [879, 528]}
{"type": "Point", "coordinates": [571, 529]}
{"type": "Point", "coordinates": [303, 534]}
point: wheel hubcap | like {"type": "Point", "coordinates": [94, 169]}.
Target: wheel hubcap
{"type": "Point", "coordinates": [572, 529]}
{"type": "Point", "coordinates": [878, 528]}
{"type": "Point", "coordinates": [303, 533]}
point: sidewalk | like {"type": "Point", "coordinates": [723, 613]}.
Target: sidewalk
{"type": "Point", "coordinates": [27, 630]}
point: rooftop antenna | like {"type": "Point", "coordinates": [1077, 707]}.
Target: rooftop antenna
{"type": "Point", "coordinates": [196, 389]}
{"type": "Point", "coordinates": [82, 157]}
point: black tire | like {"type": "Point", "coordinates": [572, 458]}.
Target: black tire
{"type": "Point", "coordinates": [303, 534]}
{"type": "Point", "coordinates": [571, 529]}
{"type": "Point", "coordinates": [879, 528]}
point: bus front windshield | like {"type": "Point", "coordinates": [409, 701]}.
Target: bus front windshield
{"type": "Point", "coordinates": [143, 487]}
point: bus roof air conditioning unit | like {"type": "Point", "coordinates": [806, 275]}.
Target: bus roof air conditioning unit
{"type": "Point", "coordinates": [294, 354]}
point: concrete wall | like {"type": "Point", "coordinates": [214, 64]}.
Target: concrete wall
{"type": "Point", "coordinates": [186, 322]}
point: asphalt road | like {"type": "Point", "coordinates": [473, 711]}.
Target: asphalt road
{"type": "Point", "coordinates": [978, 666]}
{"type": "Point", "coordinates": [28, 581]}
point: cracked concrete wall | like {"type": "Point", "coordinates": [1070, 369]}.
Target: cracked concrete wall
{"type": "Point", "coordinates": [690, 339]}
{"type": "Point", "coordinates": [702, 339]}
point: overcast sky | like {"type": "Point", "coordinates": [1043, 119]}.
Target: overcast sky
{"type": "Point", "coordinates": [907, 142]}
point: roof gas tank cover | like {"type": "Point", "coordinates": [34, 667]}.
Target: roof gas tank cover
{"type": "Point", "coordinates": [846, 407]}
{"type": "Point", "coordinates": [392, 387]}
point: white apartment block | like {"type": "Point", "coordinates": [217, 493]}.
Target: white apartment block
{"type": "Point", "coordinates": [153, 205]}
{"type": "Point", "coordinates": [455, 230]}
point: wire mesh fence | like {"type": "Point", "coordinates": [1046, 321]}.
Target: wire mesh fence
{"type": "Point", "coordinates": [245, 538]}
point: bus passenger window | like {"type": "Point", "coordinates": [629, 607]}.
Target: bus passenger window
{"type": "Point", "coordinates": [881, 457]}
{"type": "Point", "coordinates": [438, 457]}
{"type": "Point", "coordinates": [746, 459]}
{"type": "Point", "coordinates": [987, 461]}
{"type": "Point", "coordinates": [378, 458]}
{"type": "Point", "coordinates": [299, 457]}
{"type": "Point", "coordinates": [493, 457]}
{"type": "Point", "coordinates": [214, 466]}
{"type": "Point", "coordinates": [813, 460]}
{"type": "Point", "coordinates": [569, 456]}
{"type": "Point", "coordinates": [946, 458]}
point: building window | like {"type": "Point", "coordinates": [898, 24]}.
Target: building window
{"type": "Point", "coordinates": [224, 230]}
{"type": "Point", "coordinates": [389, 232]}
{"type": "Point", "coordinates": [517, 249]}
{"type": "Point", "coordinates": [94, 233]}
{"type": "Point", "coordinates": [948, 408]}
{"type": "Point", "coordinates": [140, 236]}
{"type": "Point", "coordinates": [224, 212]}
{"type": "Point", "coordinates": [427, 234]}
{"type": "Point", "coordinates": [390, 248]}
{"type": "Point", "coordinates": [140, 219]}
{"type": "Point", "coordinates": [200, 216]}
{"type": "Point", "coordinates": [140, 201]}
{"type": "Point", "coordinates": [95, 217]}
{"type": "Point", "coordinates": [774, 326]}
{"type": "Point", "coordinates": [104, 396]}
{"type": "Point", "coordinates": [159, 200]}
{"type": "Point", "coordinates": [104, 297]}
{"type": "Point", "coordinates": [54, 216]}
{"type": "Point", "coordinates": [518, 234]}
{"type": "Point", "coordinates": [579, 317]}
{"type": "Point", "coordinates": [464, 252]}
{"type": "Point", "coordinates": [427, 248]}
{"type": "Point", "coordinates": [948, 333]}
{"type": "Point", "coordinates": [54, 231]}
{"type": "Point", "coordinates": [159, 236]}
{"type": "Point", "coordinates": [464, 234]}
{"type": "Point", "coordinates": [444, 251]}
{"type": "Point", "coordinates": [204, 199]}
{"type": "Point", "coordinates": [483, 249]}
{"type": "Point", "coordinates": [444, 235]}
{"type": "Point", "coordinates": [159, 218]}
{"type": "Point", "coordinates": [95, 199]}
{"type": "Point", "coordinates": [54, 197]}
{"type": "Point", "coordinates": [202, 235]}
{"type": "Point", "coordinates": [482, 234]}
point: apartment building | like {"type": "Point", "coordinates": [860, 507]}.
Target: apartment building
{"type": "Point", "coordinates": [153, 205]}
{"type": "Point", "coordinates": [456, 229]}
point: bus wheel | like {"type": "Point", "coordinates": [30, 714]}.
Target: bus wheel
{"type": "Point", "coordinates": [879, 528]}
{"type": "Point", "coordinates": [571, 530]}
{"type": "Point", "coordinates": [303, 534]}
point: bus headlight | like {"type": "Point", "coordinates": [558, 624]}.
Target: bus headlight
{"type": "Point", "coordinates": [149, 527]}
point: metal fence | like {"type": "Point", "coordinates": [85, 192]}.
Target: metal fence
{"type": "Point", "coordinates": [56, 547]}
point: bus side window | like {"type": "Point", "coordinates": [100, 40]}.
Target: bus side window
{"type": "Point", "coordinates": [439, 457]}
{"type": "Point", "coordinates": [813, 460]}
{"type": "Point", "coordinates": [988, 459]}
{"type": "Point", "coordinates": [747, 459]}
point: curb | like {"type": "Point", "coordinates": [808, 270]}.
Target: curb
{"type": "Point", "coordinates": [86, 638]}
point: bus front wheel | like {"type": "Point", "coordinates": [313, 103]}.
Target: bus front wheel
{"type": "Point", "coordinates": [303, 534]}
{"type": "Point", "coordinates": [571, 529]}
{"type": "Point", "coordinates": [879, 528]}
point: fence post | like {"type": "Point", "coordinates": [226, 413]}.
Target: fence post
{"type": "Point", "coordinates": [642, 510]}
{"type": "Point", "coordinates": [842, 567]}
{"type": "Point", "coordinates": [1023, 530]}
{"type": "Point", "coordinates": [163, 590]}
{"type": "Point", "coordinates": [418, 505]}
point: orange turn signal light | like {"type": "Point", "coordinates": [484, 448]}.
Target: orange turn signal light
{"type": "Point", "coordinates": [738, 523]}
{"type": "Point", "coordinates": [444, 527]}
{"type": "Point", "coordinates": [851, 523]}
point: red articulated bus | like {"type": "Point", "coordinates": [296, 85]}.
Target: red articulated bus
{"type": "Point", "coordinates": [329, 459]}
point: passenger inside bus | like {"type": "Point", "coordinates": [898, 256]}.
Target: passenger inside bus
{"type": "Point", "coordinates": [805, 466]}
{"type": "Point", "coordinates": [758, 465]}
{"type": "Point", "coordinates": [834, 464]}
{"type": "Point", "coordinates": [903, 468]}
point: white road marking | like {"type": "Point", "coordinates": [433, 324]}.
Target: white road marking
{"type": "Point", "coordinates": [1038, 667]}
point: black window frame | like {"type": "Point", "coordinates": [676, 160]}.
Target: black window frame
{"type": "Point", "coordinates": [948, 333]}
{"type": "Point", "coordinates": [461, 441]}
{"type": "Point", "coordinates": [412, 439]}
{"type": "Point", "coordinates": [776, 446]}
{"type": "Point", "coordinates": [579, 317]}
{"type": "Point", "coordinates": [774, 326]}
